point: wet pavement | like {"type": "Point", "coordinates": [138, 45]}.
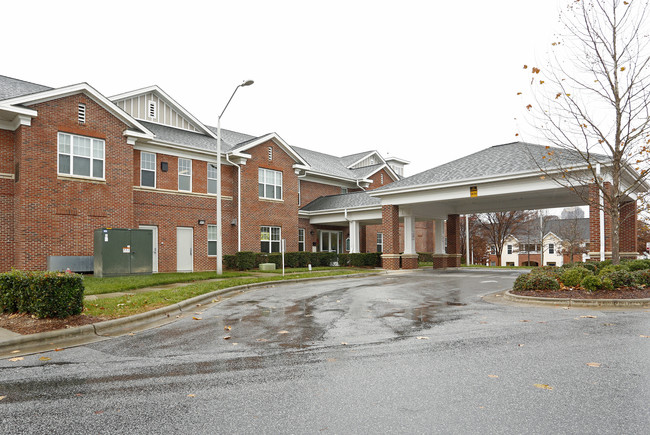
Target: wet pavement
{"type": "Point", "coordinates": [401, 353]}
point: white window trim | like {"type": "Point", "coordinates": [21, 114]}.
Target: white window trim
{"type": "Point", "coordinates": [271, 240]}
{"type": "Point", "coordinates": [207, 175]}
{"type": "Point", "coordinates": [551, 248]}
{"type": "Point", "coordinates": [207, 247]}
{"type": "Point", "coordinates": [179, 175]}
{"type": "Point", "coordinates": [264, 183]}
{"type": "Point", "coordinates": [71, 154]}
{"type": "Point", "coordinates": [382, 242]}
{"type": "Point", "coordinates": [304, 245]}
{"type": "Point", "coordinates": [155, 159]}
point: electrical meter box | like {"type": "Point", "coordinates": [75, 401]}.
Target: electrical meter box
{"type": "Point", "coordinates": [123, 252]}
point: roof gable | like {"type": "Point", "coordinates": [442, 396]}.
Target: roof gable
{"type": "Point", "coordinates": [152, 104]}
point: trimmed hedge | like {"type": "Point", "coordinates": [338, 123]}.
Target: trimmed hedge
{"type": "Point", "coordinates": [572, 277]}
{"type": "Point", "coordinates": [250, 260]}
{"type": "Point", "coordinates": [535, 281]}
{"type": "Point", "coordinates": [44, 294]}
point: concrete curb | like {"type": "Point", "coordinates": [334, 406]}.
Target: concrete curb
{"type": "Point", "coordinates": [577, 303]}
{"type": "Point", "coordinates": [46, 341]}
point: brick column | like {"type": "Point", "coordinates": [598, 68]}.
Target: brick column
{"type": "Point", "coordinates": [362, 238]}
{"type": "Point", "coordinates": [453, 240]}
{"type": "Point", "coordinates": [594, 226]}
{"type": "Point", "coordinates": [628, 233]}
{"type": "Point", "coordinates": [390, 230]}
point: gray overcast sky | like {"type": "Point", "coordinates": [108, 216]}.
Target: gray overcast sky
{"type": "Point", "coordinates": [428, 81]}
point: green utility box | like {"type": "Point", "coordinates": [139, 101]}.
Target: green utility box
{"type": "Point", "coordinates": [123, 252]}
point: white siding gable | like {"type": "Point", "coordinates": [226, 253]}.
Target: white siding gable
{"type": "Point", "coordinates": [138, 106]}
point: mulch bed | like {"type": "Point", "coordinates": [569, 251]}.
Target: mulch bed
{"type": "Point", "coordinates": [26, 324]}
{"type": "Point", "coordinates": [622, 293]}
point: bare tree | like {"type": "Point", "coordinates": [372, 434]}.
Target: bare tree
{"type": "Point", "coordinates": [571, 233]}
{"type": "Point", "coordinates": [496, 226]}
{"type": "Point", "coordinates": [592, 101]}
{"type": "Point", "coordinates": [477, 242]}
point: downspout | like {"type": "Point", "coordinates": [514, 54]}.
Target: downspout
{"type": "Point", "coordinates": [360, 186]}
{"type": "Point", "coordinates": [238, 201]}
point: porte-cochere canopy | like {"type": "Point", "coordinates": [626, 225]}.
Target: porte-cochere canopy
{"type": "Point", "coordinates": [498, 178]}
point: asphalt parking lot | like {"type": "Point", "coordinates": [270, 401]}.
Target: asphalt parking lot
{"type": "Point", "coordinates": [412, 352]}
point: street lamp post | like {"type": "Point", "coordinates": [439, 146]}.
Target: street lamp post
{"type": "Point", "coordinates": [219, 239]}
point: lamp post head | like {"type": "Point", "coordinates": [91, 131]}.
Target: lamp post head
{"type": "Point", "coordinates": [247, 83]}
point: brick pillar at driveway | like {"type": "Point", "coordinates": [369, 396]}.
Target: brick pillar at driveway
{"type": "Point", "coordinates": [390, 259]}
{"type": "Point", "coordinates": [453, 240]}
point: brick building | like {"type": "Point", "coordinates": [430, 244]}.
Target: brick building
{"type": "Point", "coordinates": [73, 160]}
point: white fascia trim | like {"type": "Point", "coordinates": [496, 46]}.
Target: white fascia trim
{"type": "Point", "coordinates": [18, 110]}
{"type": "Point", "coordinates": [16, 122]}
{"type": "Point", "coordinates": [170, 100]}
{"type": "Point", "coordinates": [240, 155]}
{"type": "Point", "coordinates": [398, 160]}
{"type": "Point", "coordinates": [179, 150]}
{"type": "Point", "coordinates": [85, 88]}
{"type": "Point", "coordinates": [278, 140]}
{"type": "Point", "coordinates": [467, 182]}
{"type": "Point", "coordinates": [365, 157]}
{"type": "Point", "coordinates": [334, 177]}
{"type": "Point", "coordinates": [390, 171]}
{"type": "Point", "coordinates": [339, 210]}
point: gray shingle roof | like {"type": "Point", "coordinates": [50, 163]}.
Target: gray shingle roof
{"type": "Point", "coordinates": [498, 160]}
{"type": "Point", "coordinates": [352, 158]}
{"type": "Point", "coordinates": [563, 228]}
{"type": "Point", "coordinates": [366, 171]}
{"type": "Point", "coordinates": [232, 138]}
{"type": "Point", "coordinates": [324, 163]}
{"type": "Point", "coordinates": [348, 200]}
{"type": "Point", "coordinates": [196, 140]}
{"type": "Point", "coordinates": [11, 88]}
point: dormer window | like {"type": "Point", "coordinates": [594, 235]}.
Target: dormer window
{"type": "Point", "coordinates": [152, 110]}
{"type": "Point", "coordinates": [81, 113]}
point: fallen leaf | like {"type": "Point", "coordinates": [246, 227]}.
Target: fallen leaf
{"type": "Point", "coordinates": [565, 308]}
{"type": "Point", "coordinates": [338, 301]}
{"type": "Point", "coordinates": [524, 321]}
{"type": "Point", "coordinates": [644, 336]}
{"type": "Point", "coordinates": [191, 395]}
{"type": "Point", "coordinates": [521, 345]}
{"type": "Point", "coordinates": [58, 349]}
{"type": "Point", "coordinates": [15, 351]}
{"type": "Point", "coordinates": [283, 332]}
{"type": "Point", "coordinates": [422, 338]}
{"type": "Point", "coordinates": [44, 358]}
{"type": "Point", "coordinates": [78, 394]}
{"type": "Point", "coordinates": [99, 412]}
{"type": "Point", "coordinates": [235, 344]}
{"type": "Point", "coordinates": [593, 364]}
{"type": "Point", "coordinates": [3, 397]}
{"type": "Point", "coordinates": [493, 376]}
{"type": "Point", "coordinates": [344, 343]}
{"type": "Point", "coordinates": [543, 386]}
{"type": "Point", "coordinates": [261, 340]}
{"type": "Point", "coordinates": [227, 328]}
{"type": "Point", "coordinates": [331, 359]}
{"type": "Point", "coordinates": [131, 333]}
{"type": "Point", "coordinates": [196, 318]}
{"type": "Point", "coordinates": [18, 358]}
{"type": "Point", "coordinates": [588, 317]}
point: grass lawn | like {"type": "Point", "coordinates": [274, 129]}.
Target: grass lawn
{"type": "Point", "coordinates": [304, 269]}
{"type": "Point", "coordinates": [142, 302]}
{"type": "Point", "coordinates": [111, 284]}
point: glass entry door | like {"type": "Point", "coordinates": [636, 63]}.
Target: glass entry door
{"type": "Point", "coordinates": [330, 241]}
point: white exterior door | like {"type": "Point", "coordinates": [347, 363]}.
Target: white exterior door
{"type": "Point", "coordinates": [154, 231]}
{"type": "Point", "coordinates": [184, 249]}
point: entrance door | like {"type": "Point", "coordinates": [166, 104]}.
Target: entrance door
{"type": "Point", "coordinates": [154, 231]}
{"type": "Point", "coordinates": [184, 249]}
{"type": "Point", "coordinates": [330, 241]}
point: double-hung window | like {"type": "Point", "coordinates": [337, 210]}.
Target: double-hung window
{"type": "Point", "coordinates": [270, 239]}
{"type": "Point", "coordinates": [212, 178]}
{"type": "Point", "coordinates": [185, 174]}
{"type": "Point", "coordinates": [81, 156]}
{"type": "Point", "coordinates": [270, 183]}
{"type": "Point", "coordinates": [380, 242]}
{"type": "Point", "coordinates": [509, 249]}
{"type": "Point", "coordinates": [301, 239]}
{"type": "Point", "coordinates": [147, 169]}
{"type": "Point", "coordinates": [551, 248]}
{"type": "Point", "coordinates": [212, 240]}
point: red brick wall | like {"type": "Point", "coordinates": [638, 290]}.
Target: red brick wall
{"type": "Point", "coordinates": [6, 199]}
{"type": "Point", "coordinates": [390, 228]}
{"type": "Point", "coordinates": [628, 228]}
{"type": "Point", "coordinates": [259, 211]}
{"type": "Point", "coordinates": [310, 191]}
{"type": "Point", "coordinates": [628, 234]}
{"type": "Point", "coordinates": [453, 234]}
{"type": "Point", "coordinates": [57, 216]}
{"type": "Point", "coordinates": [376, 179]}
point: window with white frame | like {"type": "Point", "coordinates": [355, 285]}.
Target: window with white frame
{"type": "Point", "coordinates": [185, 174]}
{"type": "Point", "coordinates": [380, 242]}
{"type": "Point", "coordinates": [493, 250]}
{"type": "Point", "coordinates": [147, 169]}
{"type": "Point", "coordinates": [212, 178]}
{"type": "Point", "coordinates": [270, 239]}
{"type": "Point", "coordinates": [81, 156]}
{"type": "Point", "coordinates": [270, 183]}
{"type": "Point", "coordinates": [509, 249]}
{"type": "Point", "coordinates": [212, 240]}
{"type": "Point", "coordinates": [301, 239]}
{"type": "Point", "coordinates": [551, 248]}
{"type": "Point", "coordinates": [347, 244]}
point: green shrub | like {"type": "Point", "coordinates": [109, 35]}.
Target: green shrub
{"type": "Point", "coordinates": [536, 281]}
{"type": "Point", "coordinates": [590, 266]}
{"type": "Point", "coordinates": [425, 257]}
{"type": "Point", "coordinates": [245, 260]}
{"type": "Point", "coordinates": [345, 259]}
{"type": "Point", "coordinates": [573, 277]}
{"type": "Point", "coordinates": [619, 278]}
{"type": "Point", "coordinates": [521, 282]}
{"type": "Point", "coordinates": [600, 265]}
{"type": "Point", "coordinates": [44, 294]}
{"type": "Point", "coordinates": [550, 271]}
{"type": "Point", "coordinates": [642, 277]}
{"type": "Point", "coordinates": [607, 284]}
{"type": "Point", "coordinates": [637, 265]}
{"type": "Point", "coordinates": [591, 283]}
{"type": "Point", "coordinates": [296, 259]}
{"type": "Point", "coordinates": [230, 262]}
{"type": "Point", "coordinates": [610, 268]}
